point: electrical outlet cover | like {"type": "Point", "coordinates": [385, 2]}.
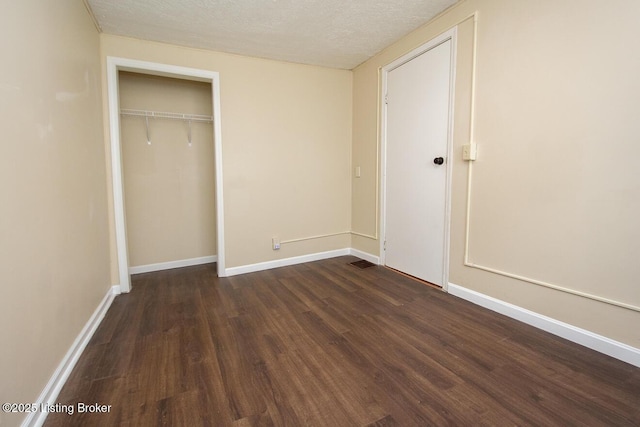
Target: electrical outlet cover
{"type": "Point", "coordinates": [469, 151]}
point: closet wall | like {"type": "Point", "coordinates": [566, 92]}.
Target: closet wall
{"type": "Point", "coordinates": [169, 185]}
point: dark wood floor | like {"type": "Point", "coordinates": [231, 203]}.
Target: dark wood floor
{"type": "Point", "coordinates": [329, 344]}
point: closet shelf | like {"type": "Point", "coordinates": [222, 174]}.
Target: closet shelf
{"type": "Point", "coordinates": [166, 115]}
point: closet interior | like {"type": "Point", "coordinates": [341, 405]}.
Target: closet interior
{"type": "Point", "coordinates": [168, 170]}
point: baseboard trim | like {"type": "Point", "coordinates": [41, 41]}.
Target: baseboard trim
{"type": "Point", "coordinates": [365, 255]}
{"type": "Point", "coordinates": [252, 268]}
{"type": "Point", "coordinates": [596, 342]}
{"type": "Point", "coordinates": [267, 265]}
{"type": "Point", "coordinates": [52, 389]}
{"type": "Point", "coordinates": [172, 264]}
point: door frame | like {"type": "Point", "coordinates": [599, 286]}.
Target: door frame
{"type": "Point", "coordinates": [385, 70]}
{"type": "Point", "coordinates": [114, 65]}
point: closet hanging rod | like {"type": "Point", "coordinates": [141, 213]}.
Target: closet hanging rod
{"type": "Point", "coordinates": [166, 115]}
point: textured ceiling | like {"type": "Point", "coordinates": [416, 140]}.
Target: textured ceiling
{"type": "Point", "coordinates": [331, 33]}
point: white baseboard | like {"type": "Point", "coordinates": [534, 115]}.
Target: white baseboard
{"type": "Point", "coordinates": [267, 265]}
{"type": "Point", "coordinates": [366, 256]}
{"type": "Point", "coordinates": [172, 264]}
{"type": "Point", "coordinates": [52, 389]}
{"type": "Point", "coordinates": [251, 268]}
{"type": "Point", "coordinates": [596, 342]}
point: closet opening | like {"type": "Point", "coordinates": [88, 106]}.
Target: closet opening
{"type": "Point", "coordinates": [166, 167]}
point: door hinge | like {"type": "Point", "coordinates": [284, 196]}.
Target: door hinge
{"type": "Point", "coordinates": [384, 246]}
{"type": "Point", "coordinates": [386, 99]}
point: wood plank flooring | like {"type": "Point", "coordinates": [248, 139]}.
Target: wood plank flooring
{"type": "Point", "coordinates": [329, 344]}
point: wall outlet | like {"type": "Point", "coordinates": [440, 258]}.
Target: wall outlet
{"type": "Point", "coordinates": [275, 242]}
{"type": "Point", "coordinates": [470, 151]}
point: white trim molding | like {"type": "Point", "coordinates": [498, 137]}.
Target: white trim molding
{"type": "Point", "coordinates": [114, 65]}
{"type": "Point", "coordinates": [52, 389]}
{"type": "Point", "coordinates": [365, 255]}
{"type": "Point", "coordinates": [596, 342]}
{"type": "Point", "coordinates": [172, 264]}
{"type": "Point", "coordinates": [267, 265]}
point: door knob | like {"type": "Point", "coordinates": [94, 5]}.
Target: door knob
{"type": "Point", "coordinates": [438, 160]}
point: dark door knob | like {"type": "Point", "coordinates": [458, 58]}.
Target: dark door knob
{"type": "Point", "coordinates": [438, 160]}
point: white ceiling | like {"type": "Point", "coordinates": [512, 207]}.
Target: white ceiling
{"type": "Point", "coordinates": [331, 33]}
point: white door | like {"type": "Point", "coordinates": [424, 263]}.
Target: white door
{"type": "Point", "coordinates": [417, 127]}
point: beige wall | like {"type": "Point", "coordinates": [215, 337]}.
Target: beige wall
{"type": "Point", "coordinates": [169, 186]}
{"type": "Point", "coordinates": [286, 143]}
{"type": "Point", "coordinates": [556, 191]}
{"type": "Point", "coordinates": [54, 246]}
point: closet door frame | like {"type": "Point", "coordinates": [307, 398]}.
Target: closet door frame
{"type": "Point", "coordinates": [114, 65]}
